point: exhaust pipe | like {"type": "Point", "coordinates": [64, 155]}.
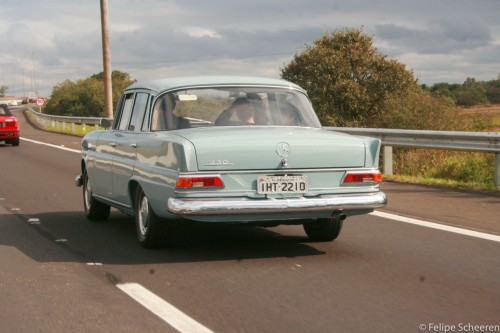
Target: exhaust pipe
{"type": "Point", "coordinates": [339, 216]}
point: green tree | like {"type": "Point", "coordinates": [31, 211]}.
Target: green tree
{"type": "Point", "coordinates": [348, 81]}
{"type": "Point", "coordinates": [471, 93]}
{"type": "Point", "coordinates": [493, 91]}
{"type": "Point", "coordinates": [85, 97]}
{"type": "Point", "coordinates": [445, 89]}
{"type": "Point", "coordinates": [120, 81]}
{"type": "Point", "coordinates": [422, 110]}
{"type": "Point", "coordinates": [3, 90]}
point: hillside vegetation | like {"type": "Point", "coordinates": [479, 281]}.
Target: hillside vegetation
{"type": "Point", "coordinates": [490, 114]}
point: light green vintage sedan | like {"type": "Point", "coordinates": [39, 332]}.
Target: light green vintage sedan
{"type": "Point", "coordinates": [226, 149]}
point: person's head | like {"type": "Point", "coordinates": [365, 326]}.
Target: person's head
{"type": "Point", "coordinates": [244, 110]}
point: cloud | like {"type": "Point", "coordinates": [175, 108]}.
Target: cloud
{"type": "Point", "coordinates": [155, 38]}
{"type": "Point", "coordinates": [439, 36]}
{"type": "Point", "coordinates": [150, 47]}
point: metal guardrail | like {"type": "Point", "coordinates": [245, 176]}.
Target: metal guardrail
{"type": "Point", "coordinates": [46, 120]}
{"type": "Point", "coordinates": [488, 142]}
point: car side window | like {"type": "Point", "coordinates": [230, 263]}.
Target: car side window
{"type": "Point", "coordinates": [145, 122]}
{"type": "Point", "coordinates": [126, 111]}
{"type": "Point", "coordinates": [118, 111]}
{"type": "Point", "coordinates": [163, 115]}
{"type": "Point", "coordinates": [138, 111]}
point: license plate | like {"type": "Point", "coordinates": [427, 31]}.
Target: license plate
{"type": "Point", "coordinates": [281, 184]}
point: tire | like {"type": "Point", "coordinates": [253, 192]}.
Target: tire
{"type": "Point", "coordinates": [15, 142]}
{"type": "Point", "coordinates": [152, 231]}
{"type": "Point", "coordinates": [94, 210]}
{"type": "Point", "coordinates": [323, 230]}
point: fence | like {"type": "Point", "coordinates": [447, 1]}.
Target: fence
{"type": "Point", "coordinates": [488, 142]}
{"type": "Point", "coordinates": [67, 124]}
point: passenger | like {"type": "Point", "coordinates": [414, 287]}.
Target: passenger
{"type": "Point", "coordinates": [241, 112]}
{"type": "Point", "coordinates": [290, 115]}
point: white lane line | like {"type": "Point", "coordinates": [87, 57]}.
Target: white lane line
{"type": "Point", "coordinates": [51, 145]}
{"type": "Point", "coordinates": [438, 226]}
{"type": "Point", "coordinates": [167, 312]}
{"type": "Point", "coordinates": [34, 221]}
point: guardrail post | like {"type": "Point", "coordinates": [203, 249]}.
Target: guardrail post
{"type": "Point", "coordinates": [387, 155]}
{"type": "Point", "coordinates": [497, 169]}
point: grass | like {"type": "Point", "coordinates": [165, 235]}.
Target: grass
{"type": "Point", "coordinates": [452, 168]}
{"type": "Point", "coordinates": [71, 129]}
{"type": "Point", "coordinates": [490, 187]}
{"type": "Point", "coordinates": [66, 128]}
{"type": "Point", "coordinates": [489, 113]}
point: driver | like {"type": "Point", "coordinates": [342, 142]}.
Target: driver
{"type": "Point", "coordinates": [241, 112]}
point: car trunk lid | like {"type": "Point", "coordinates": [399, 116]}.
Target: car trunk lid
{"type": "Point", "coordinates": [264, 148]}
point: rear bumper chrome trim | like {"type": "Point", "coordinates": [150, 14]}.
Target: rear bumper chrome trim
{"type": "Point", "coordinates": [256, 206]}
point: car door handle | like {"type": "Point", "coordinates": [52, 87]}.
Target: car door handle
{"type": "Point", "coordinates": [133, 145]}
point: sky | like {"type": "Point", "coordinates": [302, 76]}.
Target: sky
{"type": "Point", "coordinates": [44, 43]}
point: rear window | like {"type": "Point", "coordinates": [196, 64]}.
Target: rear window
{"type": "Point", "coordinates": [5, 112]}
{"type": "Point", "coordinates": [232, 106]}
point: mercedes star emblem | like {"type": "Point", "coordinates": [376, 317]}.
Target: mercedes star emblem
{"type": "Point", "coordinates": [283, 149]}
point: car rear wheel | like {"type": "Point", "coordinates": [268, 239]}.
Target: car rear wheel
{"type": "Point", "coordinates": [323, 230]}
{"type": "Point", "coordinates": [152, 231]}
{"type": "Point", "coordinates": [94, 210]}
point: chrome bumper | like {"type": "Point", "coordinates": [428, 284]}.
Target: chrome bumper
{"type": "Point", "coordinates": [255, 206]}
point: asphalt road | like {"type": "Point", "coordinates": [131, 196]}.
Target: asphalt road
{"type": "Point", "coordinates": [62, 273]}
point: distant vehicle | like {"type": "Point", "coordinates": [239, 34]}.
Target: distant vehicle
{"type": "Point", "coordinates": [238, 150]}
{"type": "Point", "coordinates": [13, 103]}
{"type": "Point", "coordinates": [9, 127]}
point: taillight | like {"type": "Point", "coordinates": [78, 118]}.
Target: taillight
{"type": "Point", "coordinates": [363, 177]}
{"type": "Point", "coordinates": [199, 181]}
{"type": "Point", "coordinates": [11, 122]}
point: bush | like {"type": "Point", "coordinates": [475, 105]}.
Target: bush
{"type": "Point", "coordinates": [347, 79]}
{"type": "Point", "coordinates": [468, 169]}
{"type": "Point", "coordinates": [85, 98]}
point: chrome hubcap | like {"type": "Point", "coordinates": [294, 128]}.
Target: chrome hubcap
{"type": "Point", "coordinates": [143, 215]}
{"type": "Point", "coordinates": [88, 193]}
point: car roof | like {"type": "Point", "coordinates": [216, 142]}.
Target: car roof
{"type": "Point", "coordinates": [174, 83]}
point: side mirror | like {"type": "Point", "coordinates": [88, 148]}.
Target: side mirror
{"type": "Point", "coordinates": [106, 122]}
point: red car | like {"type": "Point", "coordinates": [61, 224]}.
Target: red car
{"type": "Point", "coordinates": [9, 127]}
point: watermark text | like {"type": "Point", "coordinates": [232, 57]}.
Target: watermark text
{"type": "Point", "coordinates": [460, 327]}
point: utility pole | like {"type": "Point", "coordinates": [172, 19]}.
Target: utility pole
{"type": "Point", "coordinates": [3, 73]}
{"type": "Point", "coordinates": [106, 60]}
{"type": "Point", "coordinates": [34, 74]}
